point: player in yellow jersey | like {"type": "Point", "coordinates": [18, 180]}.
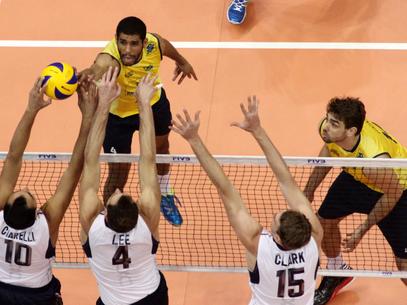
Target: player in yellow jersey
{"type": "Point", "coordinates": [379, 193]}
{"type": "Point", "coordinates": [137, 53]}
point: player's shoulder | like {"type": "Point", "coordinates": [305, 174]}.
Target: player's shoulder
{"type": "Point", "coordinates": [152, 36]}
{"type": "Point", "coordinates": [266, 238]}
{"type": "Point", "coordinates": [111, 50]}
{"type": "Point", "coordinates": [98, 223]}
{"type": "Point", "coordinates": [152, 42]}
{"type": "Point", "coordinates": [313, 242]}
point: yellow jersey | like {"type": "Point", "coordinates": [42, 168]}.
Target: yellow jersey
{"type": "Point", "coordinates": [129, 77]}
{"type": "Point", "coordinates": [373, 142]}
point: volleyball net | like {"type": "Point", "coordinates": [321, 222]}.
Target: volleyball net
{"type": "Point", "coordinates": [206, 241]}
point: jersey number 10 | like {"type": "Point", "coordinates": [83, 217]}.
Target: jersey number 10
{"type": "Point", "coordinates": [18, 257]}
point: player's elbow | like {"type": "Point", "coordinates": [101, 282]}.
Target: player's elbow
{"type": "Point", "coordinates": [232, 206]}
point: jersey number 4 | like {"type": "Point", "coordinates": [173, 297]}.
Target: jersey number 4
{"type": "Point", "coordinates": [296, 286]}
{"type": "Point", "coordinates": [121, 257]}
{"type": "Point", "coordinates": [19, 258]}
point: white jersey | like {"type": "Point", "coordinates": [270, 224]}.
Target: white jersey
{"type": "Point", "coordinates": [123, 263]}
{"type": "Point", "coordinates": [284, 277]}
{"type": "Point", "coordinates": [26, 255]}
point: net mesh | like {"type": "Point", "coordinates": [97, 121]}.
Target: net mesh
{"type": "Point", "coordinates": [206, 240]}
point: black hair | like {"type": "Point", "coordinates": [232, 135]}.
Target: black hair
{"type": "Point", "coordinates": [132, 26]}
{"type": "Point", "coordinates": [18, 215]}
{"type": "Point", "coordinates": [122, 217]}
{"type": "Point", "coordinates": [350, 110]}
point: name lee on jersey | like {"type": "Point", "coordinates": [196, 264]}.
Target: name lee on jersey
{"type": "Point", "coordinates": [121, 239]}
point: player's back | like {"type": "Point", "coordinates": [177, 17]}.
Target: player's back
{"type": "Point", "coordinates": [26, 254]}
{"type": "Point", "coordinates": [123, 263]}
{"type": "Point", "coordinates": [284, 277]}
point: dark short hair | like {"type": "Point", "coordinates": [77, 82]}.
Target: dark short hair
{"type": "Point", "coordinates": [295, 230]}
{"type": "Point", "coordinates": [349, 110]}
{"type": "Point", "coordinates": [132, 26]}
{"type": "Point", "coordinates": [122, 217]}
{"type": "Point", "coordinates": [18, 215]}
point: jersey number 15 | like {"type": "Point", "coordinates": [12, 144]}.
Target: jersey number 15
{"type": "Point", "coordinates": [295, 286]}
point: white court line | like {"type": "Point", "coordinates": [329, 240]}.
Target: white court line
{"type": "Point", "coordinates": [217, 45]}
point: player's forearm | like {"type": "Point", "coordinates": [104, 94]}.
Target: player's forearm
{"type": "Point", "coordinates": [102, 63]}
{"type": "Point", "coordinates": [317, 175]}
{"type": "Point", "coordinates": [172, 52]}
{"type": "Point", "coordinates": [147, 133]}
{"type": "Point", "coordinates": [230, 197]}
{"type": "Point", "coordinates": [147, 168]}
{"type": "Point", "coordinates": [273, 156]}
{"type": "Point", "coordinates": [96, 137]}
{"type": "Point", "coordinates": [382, 208]}
{"type": "Point", "coordinates": [75, 167]}
{"type": "Point", "coordinates": [97, 71]}
{"type": "Point", "coordinates": [21, 135]}
{"type": "Point", "coordinates": [80, 144]}
{"type": "Point", "coordinates": [211, 166]}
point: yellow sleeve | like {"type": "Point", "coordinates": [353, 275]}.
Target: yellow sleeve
{"type": "Point", "coordinates": [111, 49]}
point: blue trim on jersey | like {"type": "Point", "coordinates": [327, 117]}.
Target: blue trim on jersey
{"type": "Point", "coordinates": [155, 245]}
{"type": "Point", "coordinates": [316, 269]}
{"type": "Point", "coordinates": [86, 248]}
{"type": "Point", "coordinates": [50, 250]}
{"type": "Point", "coordinates": [255, 275]}
{"type": "Point", "coordinates": [279, 246]}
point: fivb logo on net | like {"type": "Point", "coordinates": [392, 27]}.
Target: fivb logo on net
{"type": "Point", "coordinates": [181, 158]}
{"type": "Point", "coordinates": [46, 156]}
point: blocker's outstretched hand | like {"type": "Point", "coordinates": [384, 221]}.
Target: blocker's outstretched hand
{"type": "Point", "coordinates": [251, 120]}
{"type": "Point", "coordinates": [185, 126]}
{"type": "Point", "coordinates": [146, 89]}
{"type": "Point", "coordinates": [36, 100]}
{"type": "Point", "coordinates": [108, 88]}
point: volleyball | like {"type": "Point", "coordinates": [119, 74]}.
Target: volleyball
{"type": "Point", "coordinates": [60, 79]}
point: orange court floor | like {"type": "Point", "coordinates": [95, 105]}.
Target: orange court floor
{"type": "Point", "coordinates": [293, 83]}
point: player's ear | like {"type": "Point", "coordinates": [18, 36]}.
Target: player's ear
{"type": "Point", "coordinates": [351, 131]}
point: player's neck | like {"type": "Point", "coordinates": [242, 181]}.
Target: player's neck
{"type": "Point", "coordinates": [350, 143]}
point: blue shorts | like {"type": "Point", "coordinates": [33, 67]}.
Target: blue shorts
{"type": "Point", "coordinates": [158, 297]}
{"type": "Point", "coordinates": [50, 294]}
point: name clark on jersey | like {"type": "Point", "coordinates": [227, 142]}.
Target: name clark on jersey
{"type": "Point", "coordinates": [23, 236]}
{"type": "Point", "coordinates": [292, 258]}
